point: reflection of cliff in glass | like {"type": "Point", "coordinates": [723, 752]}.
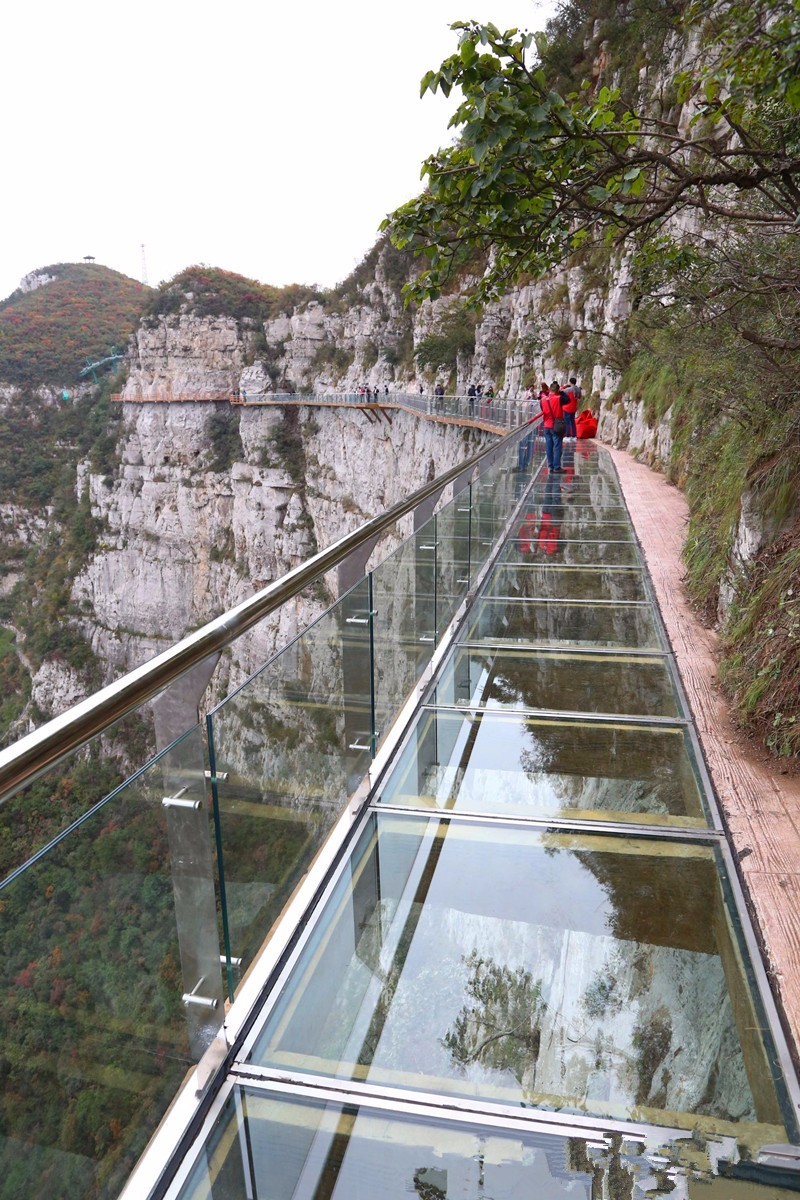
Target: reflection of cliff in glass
{"type": "Point", "coordinates": [516, 679]}
{"type": "Point", "coordinates": [513, 765]}
{"type": "Point", "coordinates": [607, 984]}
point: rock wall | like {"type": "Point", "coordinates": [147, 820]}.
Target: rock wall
{"type": "Point", "coordinates": [183, 542]}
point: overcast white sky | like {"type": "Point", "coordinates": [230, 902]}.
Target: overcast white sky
{"type": "Point", "coordinates": [268, 138]}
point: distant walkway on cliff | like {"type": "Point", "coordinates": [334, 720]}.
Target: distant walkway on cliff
{"type": "Point", "coordinates": [495, 416]}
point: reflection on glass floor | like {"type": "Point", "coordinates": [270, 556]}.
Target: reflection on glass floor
{"type": "Point", "coordinates": [565, 682]}
{"type": "Point", "coordinates": [532, 945]}
{"type": "Point", "coordinates": [585, 974]}
{"type": "Point", "coordinates": [274, 1146]}
{"type": "Point", "coordinates": [514, 765]}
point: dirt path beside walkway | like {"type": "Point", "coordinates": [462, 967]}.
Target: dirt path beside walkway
{"type": "Point", "coordinates": [760, 804]}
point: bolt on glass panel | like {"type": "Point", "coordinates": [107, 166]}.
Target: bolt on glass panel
{"type": "Point", "coordinates": [515, 766]}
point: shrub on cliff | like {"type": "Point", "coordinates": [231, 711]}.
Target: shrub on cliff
{"type": "Point", "coordinates": [212, 292]}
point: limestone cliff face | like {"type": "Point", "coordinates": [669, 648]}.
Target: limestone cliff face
{"type": "Point", "coordinates": [370, 338]}
{"type": "Point", "coordinates": [183, 542]}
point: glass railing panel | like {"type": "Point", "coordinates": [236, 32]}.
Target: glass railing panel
{"type": "Point", "coordinates": [507, 765]}
{"type": "Point", "coordinates": [102, 937]}
{"type": "Point", "coordinates": [452, 562]}
{"type": "Point", "coordinates": [578, 683]}
{"type": "Point", "coordinates": [554, 582]}
{"type": "Point", "coordinates": [288, 749]}
{"type": "Point", "coordinates": [404, 603]}
{"type": "Point", "coordinates": [612, 985]}
{"type": "Point", "coordinates": [537, 539]}
{"type": "Point", "coordinates": [40, 812]}
{"type": "Point", "coordinates": [564, 623]}
{"type": "Point", "coordinates": [493, 498]}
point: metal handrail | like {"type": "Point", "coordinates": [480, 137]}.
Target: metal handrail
{"type": "Point", "coordinates": [34, 754]}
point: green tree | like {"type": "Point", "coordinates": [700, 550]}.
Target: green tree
{"type": "Point", "coordinates": [535, 174]}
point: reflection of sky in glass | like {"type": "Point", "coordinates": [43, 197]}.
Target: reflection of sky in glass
{"type": "Point", "coordinates": [305, 1151]}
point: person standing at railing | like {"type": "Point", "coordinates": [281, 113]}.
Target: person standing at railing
{"type": "Point", "coordinates": [438, 393]}
{"type": "Point", "coordinates": [471, 395]}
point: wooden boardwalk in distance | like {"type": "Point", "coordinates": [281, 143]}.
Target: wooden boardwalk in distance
{"type": "Point", "coordinates": [760, 804]}
{"type": "Point", "coordinates": [499, 417]}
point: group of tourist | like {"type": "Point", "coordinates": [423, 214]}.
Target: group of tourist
{"type": "Point", "coordinates": [558, 406]}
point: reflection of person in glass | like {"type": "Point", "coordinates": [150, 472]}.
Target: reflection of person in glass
{"type": "Point", "coordinates": [552, 516]}
{"type": "Point", "coordinates": [541, 533]}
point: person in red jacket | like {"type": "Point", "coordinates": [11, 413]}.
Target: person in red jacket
{"type": "Point", "coordinates": [570, 397]}
{"type": "Point", "coordinates": [553, 422]}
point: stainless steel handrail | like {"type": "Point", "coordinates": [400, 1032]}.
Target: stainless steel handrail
{"type": "Point", "coordinates": [33, 755]}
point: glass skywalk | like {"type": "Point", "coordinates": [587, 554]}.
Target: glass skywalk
{"type": "Point", "coordinates": [528, 973]}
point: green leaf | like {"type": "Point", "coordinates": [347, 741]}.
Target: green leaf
{"type": "Point", "coordinates": [467, 51]}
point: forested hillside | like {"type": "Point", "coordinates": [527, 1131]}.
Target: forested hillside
{"type": "Point", "coordinates": [47, 335]}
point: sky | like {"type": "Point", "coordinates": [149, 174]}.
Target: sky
{"type": "Point", "coordinates": [267, 137]}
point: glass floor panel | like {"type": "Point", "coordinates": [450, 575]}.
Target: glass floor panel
{"type": "Point", "coordinates": [560, 522]}
{"type": "Point", "coordinates": [566, 522]}
{"type": "Point", "coordinates": [507, 765]}
{"type": "Point", "coordinates": [514, 679]}
{"type": "Point", "coordinates": [553, 582]}
{"type": "Point", "coordinates": [609, 985]}
{"type": "Point", "coordinates": [594, 490]}
{"type": "Point", "coordinates": [272, 1146]}
{"type": "Point", "coordinates": [539, 541]}
{"type": "Point", "coordinates": [564, 623]}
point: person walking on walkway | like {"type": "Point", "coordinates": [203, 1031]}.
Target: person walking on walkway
{"type": "Point", "coordinates": [553, 422]}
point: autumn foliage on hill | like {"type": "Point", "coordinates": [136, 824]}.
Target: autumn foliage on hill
{"type": "Point", "coordinates": [212, 292]}
{"type": "Point", "coordinates": [47, 336]}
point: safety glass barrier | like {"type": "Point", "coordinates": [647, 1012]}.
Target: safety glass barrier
{"type": "Point", "coordinates": [66, 792]}
{"type": "Point", "coordinates": [287, 750]}
{"type": "Point", "coordinates": [111, 985]}
{"type": "Point", "coordinates": [612, 986]}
